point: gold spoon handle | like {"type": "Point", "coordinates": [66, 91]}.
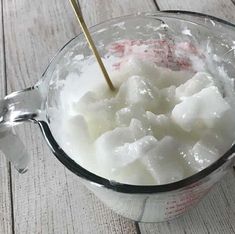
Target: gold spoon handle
{"type": "Point", "coordinates": [87, 34]}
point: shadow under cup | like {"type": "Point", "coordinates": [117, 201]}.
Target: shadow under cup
{"type": "Point", "coordinates": [190, 41]}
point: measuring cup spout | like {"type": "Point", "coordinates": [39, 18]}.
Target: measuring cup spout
{"type": "Point", "coordinates": [16, 108]}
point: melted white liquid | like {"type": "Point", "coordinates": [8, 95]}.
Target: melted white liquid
{"type": "Point", "coordinates": [160, 126]}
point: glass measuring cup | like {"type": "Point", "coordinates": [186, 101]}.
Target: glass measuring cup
{"type": "Point", "coordinates": [140, 203]}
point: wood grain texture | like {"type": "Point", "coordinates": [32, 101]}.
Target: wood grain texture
{"type": "Point", "coordinates": [48, 198]}
{"type": "Point", "coordinates": [216, 213]}
{"type": "Point", "coordinates": [96, 11]}
{"type": "Point", "coordinates": [5, 192]}
{"type": "Point", "coordinates": [5, 195]}
{"type": "Point", "coordinates": [224, 9]}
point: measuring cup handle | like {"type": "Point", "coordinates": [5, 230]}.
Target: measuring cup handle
{"type": "Point", "coordinates": [16, 108]}
{"type": "Point", "coordinates": [14, 149]}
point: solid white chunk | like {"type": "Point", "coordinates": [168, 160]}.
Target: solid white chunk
{"type": "Point", "coordinates": [164, 161]}
{"type": "Point", "coordinates": [168, 78]}
{"type": "Point", "coordinates": [129, 152]}
{"type": "Point", "coordinates": [168, 99]}
{"type": "Point", "coordinates": [186, 114]}
{"type": "Point", "coordinates": [125, 115]}
{"type": "Point", "coordinates": [157, 120]}
{"type": "Point", "coordinates": [137, 90]}
{"type": "Point", "coordinates": [108, 143]}
{"type": "Point", "coordinates": [203, 108]}
{"type": "Point", "coordinates": [222, 136]}
{"type": "Point", "coordinates": [169, 93]}
{"type": "Point", "coordinates": [201, 156]}
{"type": "Point", "coordinates": [194, 85]}
{"type": "Point", "coordinates": [90, 104]}
{"type": "Point", "coordinates": [98, 113]}
{"type": "Point", "coordinates": [136, 67]}
{"type": "Point", "coordinates": [160, 124]}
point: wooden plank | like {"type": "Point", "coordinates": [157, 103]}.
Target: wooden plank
{"type": "Point", "coordinates": [96, 11]}
{"type": "Point", "coordinates": [5, 195]}
{"type": "Point", "coordinates": [35, 31]}
{"type": "Point", "coordinates": [5, 192]}
{"type": "Point", "coordinates": [223, 9]}
{"type": "Point", "coordinates": [216, 213]}
{"type": "Point", "coordinates": [48, 198]}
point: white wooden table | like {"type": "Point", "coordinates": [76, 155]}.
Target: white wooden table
{"type": "Point", "coordinates": [49, 198]}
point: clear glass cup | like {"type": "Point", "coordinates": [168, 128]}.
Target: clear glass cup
{"type": "Point", "coordinates": [140, 203]}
